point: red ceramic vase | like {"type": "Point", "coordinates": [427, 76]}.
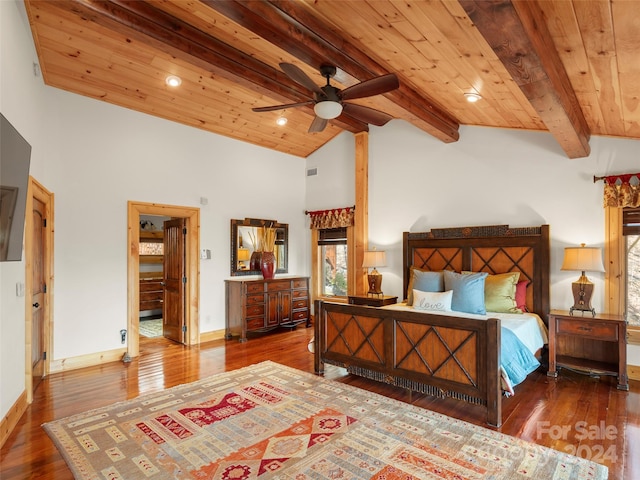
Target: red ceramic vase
{"type": "Point", "coordinates": [268, 265]}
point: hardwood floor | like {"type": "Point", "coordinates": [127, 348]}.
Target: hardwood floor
{"type": "Point", "coordinates": [573, 413]}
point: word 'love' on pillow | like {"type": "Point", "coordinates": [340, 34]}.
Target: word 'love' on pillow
{"type": "Point", "coordinates": [425, 281]}
{"type": "Point", "coordinates": [432, 301]}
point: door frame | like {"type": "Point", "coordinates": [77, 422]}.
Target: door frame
{"type": "Point", "coordinates": [192, 266]}
{"type": "Point", "coordinates": [37, 191]}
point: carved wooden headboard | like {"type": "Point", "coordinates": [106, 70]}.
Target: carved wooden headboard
{"type": "Point", "coordinates": [492, 249]}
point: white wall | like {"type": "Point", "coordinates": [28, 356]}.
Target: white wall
{"type": "Point", "coordinates": [21, 97]}
{"type": "Point", "coordinates": [95, 157]}
{"type": "Point", "coordinates": [488, 177]}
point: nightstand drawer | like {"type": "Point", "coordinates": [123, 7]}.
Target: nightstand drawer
{"type": "Point", "coordinates": [600, 331]}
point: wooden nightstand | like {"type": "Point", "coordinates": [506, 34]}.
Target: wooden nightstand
{"type": "Point", "coordinates": [372, 300]}
{"type": "Point", "coordinates": [594, 345]}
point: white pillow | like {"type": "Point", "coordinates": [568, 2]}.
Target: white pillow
{"type": "Point", "coordinates": [432, 301]}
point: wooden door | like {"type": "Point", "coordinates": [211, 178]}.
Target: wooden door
{"type": "Point", "coordinates": [173, 314]}
{"type": "Point", "coordinates": [38, 291]}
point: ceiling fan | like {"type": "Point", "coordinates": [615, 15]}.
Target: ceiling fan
{"type": "Point", "coordinates": [329, 101]}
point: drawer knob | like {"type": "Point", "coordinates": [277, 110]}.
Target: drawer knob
{"type": "Point", "coordinates": [585, 329]}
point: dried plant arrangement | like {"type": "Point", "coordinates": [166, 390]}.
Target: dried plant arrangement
{"type": "Point", "coordinates": [267, 239]}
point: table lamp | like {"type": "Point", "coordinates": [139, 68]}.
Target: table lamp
{"type": "Point", "coordinates": [243, 256]}
{"type": "Point", "coordinates": [582, 259]}
{"type": "Point", "coordinates": [373, 259]}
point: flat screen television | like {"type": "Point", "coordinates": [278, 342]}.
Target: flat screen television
{"type": "Point", "coordinates": [15, 157]}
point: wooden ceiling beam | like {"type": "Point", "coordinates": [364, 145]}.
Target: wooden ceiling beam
{"type": "Point", "coordinates": [517, 32]}
{"type": "Point", "coordinates": [140, 21]}
{"type": "Point", "coordinates": [291, 27]}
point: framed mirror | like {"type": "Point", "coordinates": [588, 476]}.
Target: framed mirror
{"type": "Point", "coordinates": [244, 234]}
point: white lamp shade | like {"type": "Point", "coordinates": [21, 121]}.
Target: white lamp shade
{"type": "Point", "coordinates": [374, 258]}
{"type": "Point", "coordinates": [328, 109]}
{"type": "Point", "coordinates": [583, 259]}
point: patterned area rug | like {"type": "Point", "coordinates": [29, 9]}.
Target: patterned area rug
{"type": "Point", "coordinates": [150, 328]}
{"type": "Point", "coordinates": [272, 421]}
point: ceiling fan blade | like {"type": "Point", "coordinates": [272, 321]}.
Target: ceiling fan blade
{"type": "Point", "coordinates": [317, 125]}
{"type": "Point", "coordinates": [298, 76]}
{"type": "Point", "coordinates": [368, 88]}
{"type": "Point", "coordinates": [366, 114]}
{"type": "Point", "coordinates": [282, 107]}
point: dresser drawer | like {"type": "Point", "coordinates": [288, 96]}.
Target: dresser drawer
{"type": "Point", "coordinates": [253, 310]}
{"type": "Point", "coordinates": [300, 283]}
{"type": "Point", "coordinates": [300, 303]}
{"type": "Point", "coordinates": [299, 293]}
{"type": "Point", "coordinates": [255, 323]}
{"type": "Point", "coordinates": [278, 286]}
{"type": "Point", "coordinates": [257, 287]}
{"type": "Point", "coordinates": [300, 315]}
{"type": "Point", "coordinates": [600, 331]}
{"type": "Point", "coordinates": [255, 299]}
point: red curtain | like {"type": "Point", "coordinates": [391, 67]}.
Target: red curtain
{"type": "Point", "coordinates": [622, 190]}
{"type": "Point", "coordinates": [334, 218]}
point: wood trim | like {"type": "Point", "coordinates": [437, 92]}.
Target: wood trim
{"type": "Point", "coordinates": [633, 335]}
{"type": "Point", "coordinates": [614, 257]}
{"type": "Point", "coordinates": [192, 216]}
{"type": "Point", "coordinates": [211, 336]}
{"type": "Point", "coordinates": [37, 191]}
{"type": "Point", "coordinates": [88, 360]}
{"type": "Point", "coordinates": [357, 275]}
{"type": "Point", "coordinates": [10, 420]}
{"type": "Point", "coordinates": [633, 372]}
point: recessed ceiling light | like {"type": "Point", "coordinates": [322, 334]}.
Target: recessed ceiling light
{"type": "Point", "coordinates": [282, 120]}
{"type": "Point", "coordinates": [173, 81]}
{"type": "Point", "coordinates": [472, 97]}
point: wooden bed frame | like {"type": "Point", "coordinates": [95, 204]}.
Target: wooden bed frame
{"type": "Point", "coordinates": [435, 354]}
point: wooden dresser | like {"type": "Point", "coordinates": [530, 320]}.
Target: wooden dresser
{"type": "Point", "coordinates": [258, 305]}
{"type": "Point", "coordinates": [151, 294]}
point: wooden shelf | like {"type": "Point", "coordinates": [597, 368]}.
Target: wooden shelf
{"type": "Point", "coordinates": [152, 259]}
{"type": "Point", "coordinates": [151, 235]}
{"type": "Point", "coordinates": [586, 365]}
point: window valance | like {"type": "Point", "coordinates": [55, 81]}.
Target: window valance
{"type": "Point", "coordinates": [334, 218]}
{"type": "Point", "coordinates": [622, 190]}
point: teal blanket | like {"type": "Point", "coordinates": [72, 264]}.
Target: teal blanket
{"type": "Point", "coordinates": [515, 358]}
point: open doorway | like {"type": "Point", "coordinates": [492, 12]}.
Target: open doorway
{"type": "Point", "coordinates": [151, 276]}
{"type": "Point", "coordinates": [191, 217]}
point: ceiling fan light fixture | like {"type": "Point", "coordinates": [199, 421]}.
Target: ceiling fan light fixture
{"type": "Point", "coordinates": [173, 81]}
{"type": "Point", "coordinates": [282, 120]}
{"type": "Point", "coordinates": [328, 109]}
{"type": "Point", "coordinates": [472, 97]}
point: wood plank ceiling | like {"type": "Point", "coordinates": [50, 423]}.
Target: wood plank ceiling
{"type": "Point", "coordinates": [570, 67]}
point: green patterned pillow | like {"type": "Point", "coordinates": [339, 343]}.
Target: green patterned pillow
{"type": "Point", "coordinates": [500, 293]}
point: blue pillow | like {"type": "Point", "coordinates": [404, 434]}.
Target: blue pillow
{"type": "Point", "coordinates": [425, 281]}
{"type": "Point", "coordinates": [468, 291]}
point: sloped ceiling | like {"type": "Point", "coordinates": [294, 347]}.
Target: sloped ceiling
{"type": "Point", "coordinates": [568, 67]}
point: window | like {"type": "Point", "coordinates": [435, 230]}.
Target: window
{"type": "Point", "coordinates": [333, 266]}
{"type": "Point", "coordinates": [631, 233]}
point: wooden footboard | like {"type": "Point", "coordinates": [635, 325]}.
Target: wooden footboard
{"type": "Point", "coordinates": [428, 353]}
